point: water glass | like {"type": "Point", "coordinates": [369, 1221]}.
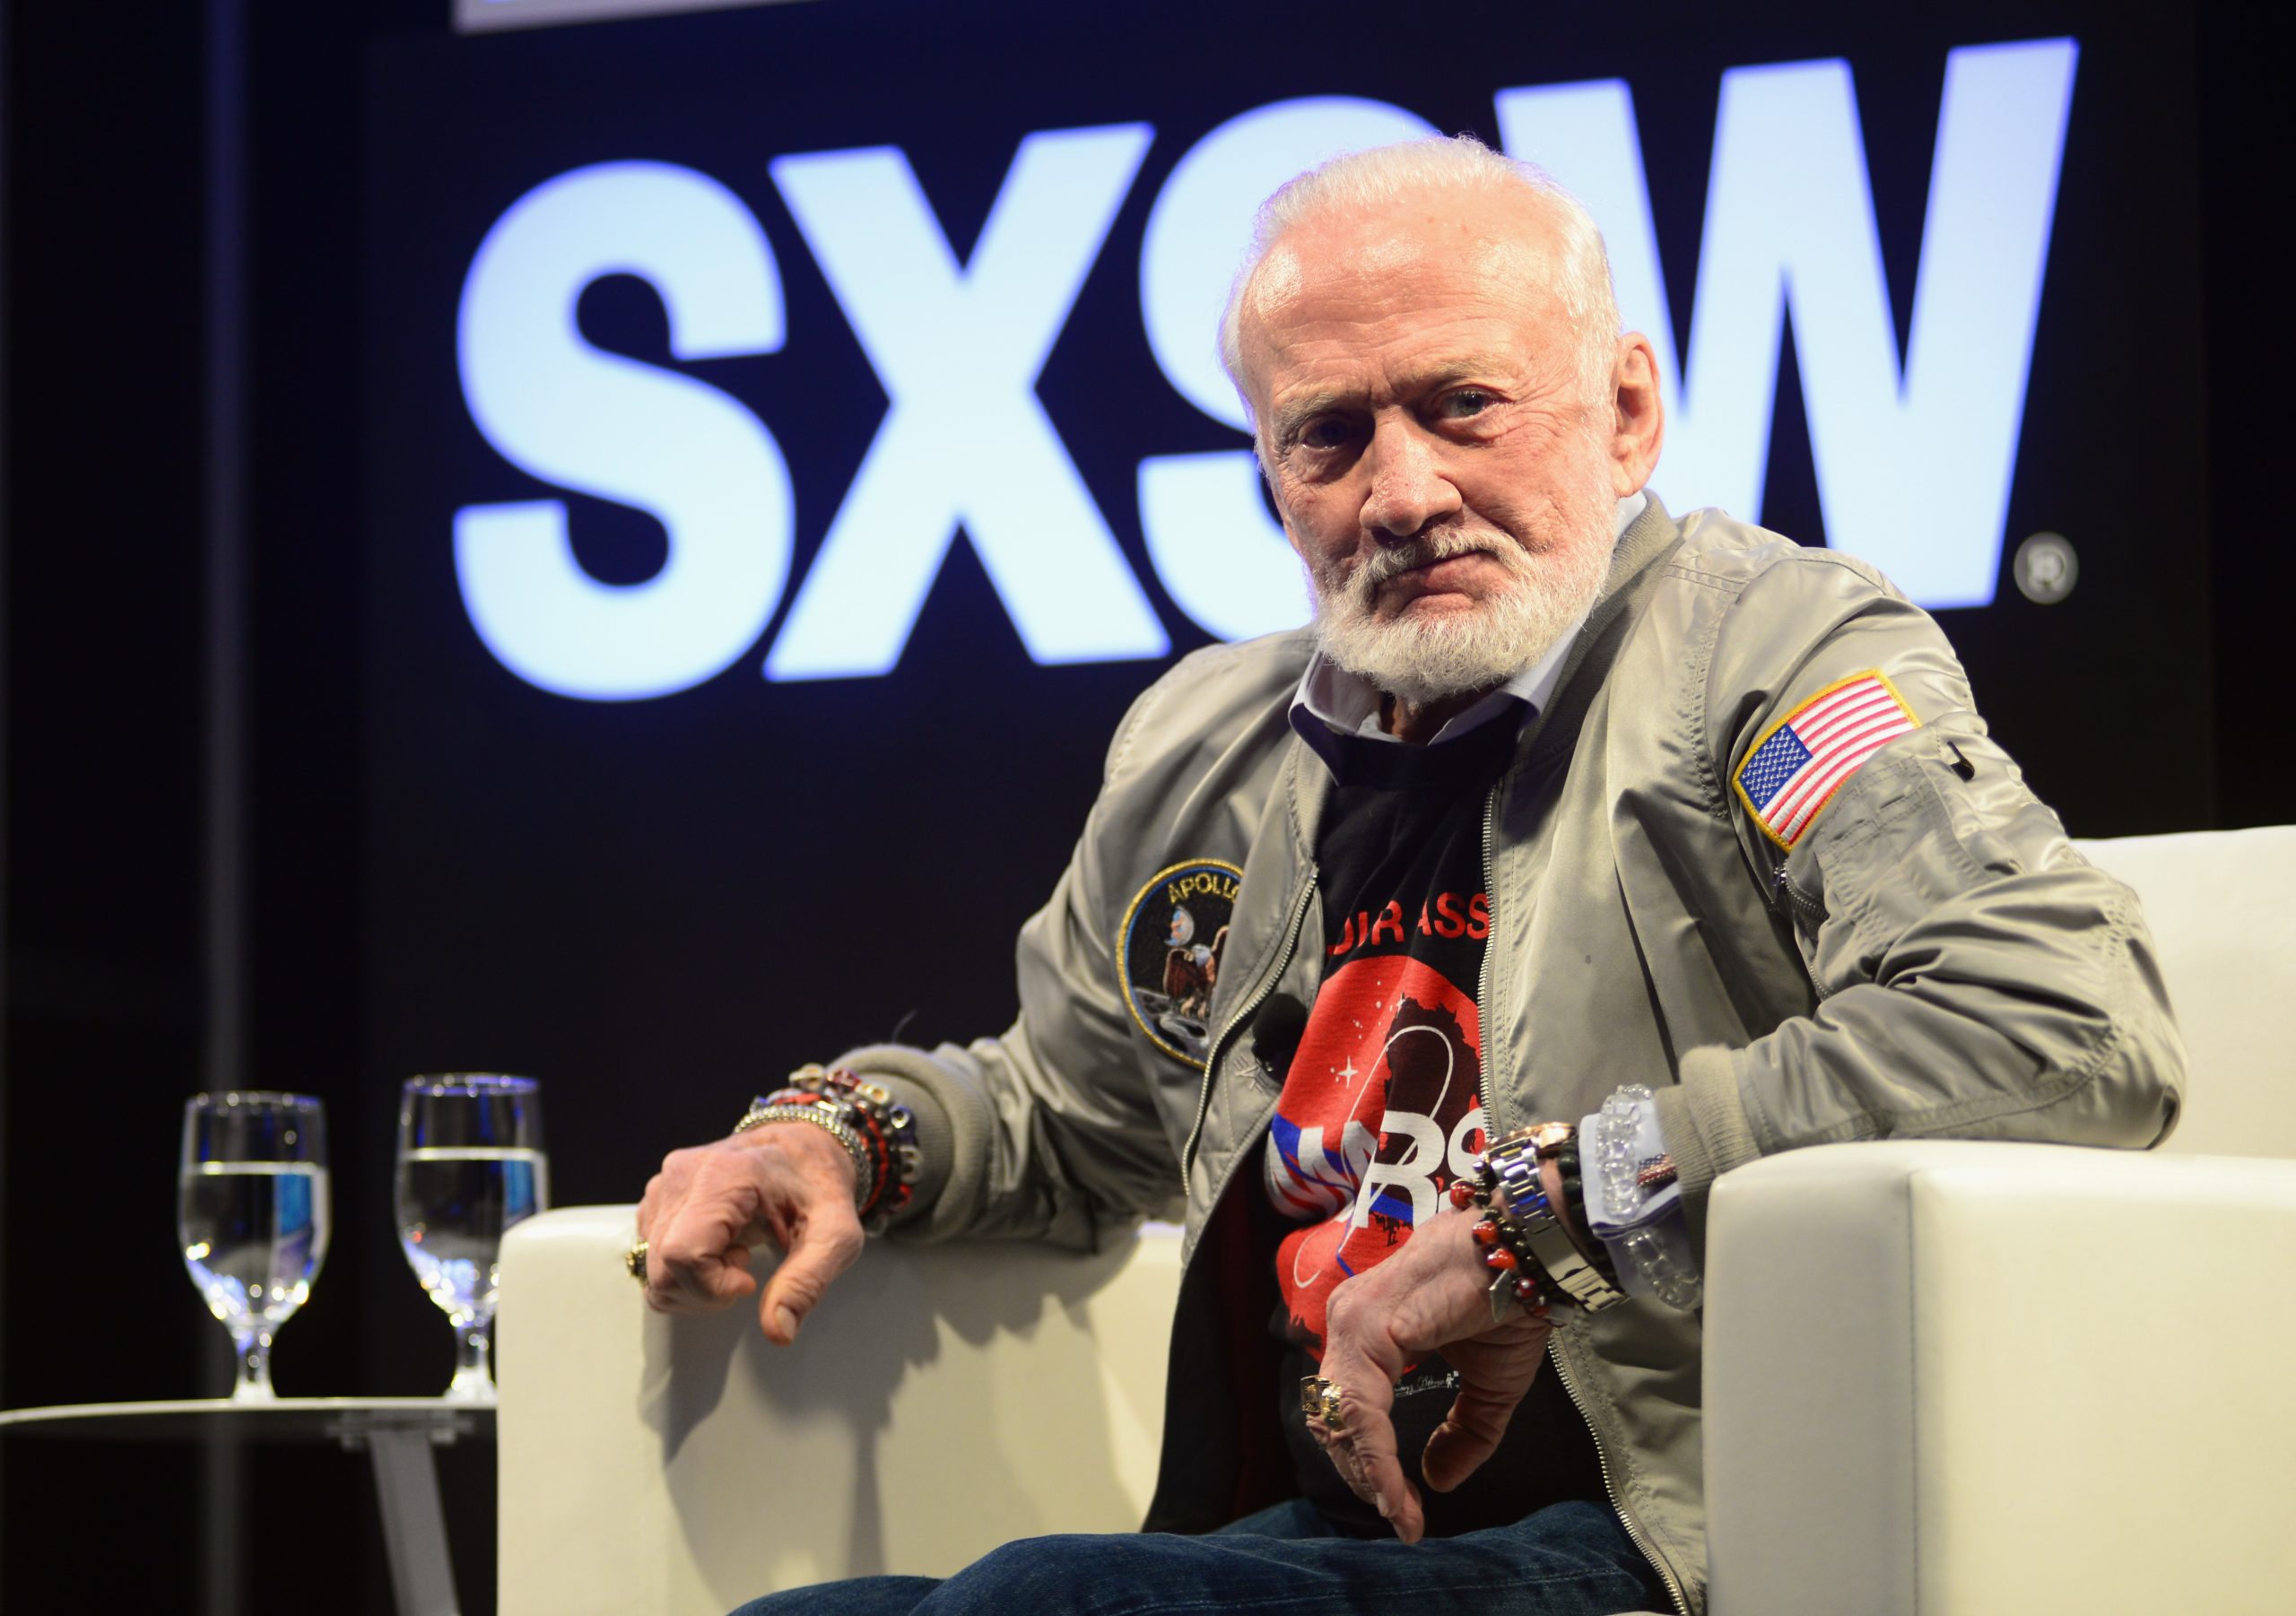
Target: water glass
{"type": "Point", "coordinates": [252, 1216]}
{"type": "Point", "coordinates": [470, 1166]}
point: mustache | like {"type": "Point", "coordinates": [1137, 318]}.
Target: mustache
{"type": "Point", "coordinates": [1425, 551]}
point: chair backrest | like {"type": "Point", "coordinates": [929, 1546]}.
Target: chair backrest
{"type": "Point", "coordinates": [2221, 907]}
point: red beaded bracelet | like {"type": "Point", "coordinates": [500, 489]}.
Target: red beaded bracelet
{"type": "Point", "coordinates": [886, 1128]}
{"type": "Point", "coordinates": [1504, 1251]}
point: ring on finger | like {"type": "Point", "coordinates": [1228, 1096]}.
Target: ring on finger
{"type": "Point", "coordinates": [634, 1260]}
{"type": "Point", "coordinates": [1320, 1400]}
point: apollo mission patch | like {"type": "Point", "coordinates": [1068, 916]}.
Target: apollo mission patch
{"type": "Point", "coordinates": [1167, 954]}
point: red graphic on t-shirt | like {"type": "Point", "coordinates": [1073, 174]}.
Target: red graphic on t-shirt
{"type": "Point", "coordinates": [1379, 1112]}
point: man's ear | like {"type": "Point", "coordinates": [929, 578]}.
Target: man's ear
{"type": "Point", "coordinates": [1638, 430]}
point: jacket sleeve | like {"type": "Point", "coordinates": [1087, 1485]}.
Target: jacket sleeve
{"type": "Point", "coordinates": [1974, 976]}
{"type": "Point", "coordinates": [1047, 1132]}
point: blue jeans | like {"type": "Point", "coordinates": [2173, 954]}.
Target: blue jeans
{"type": "Point", "coordinates": [1572, 1560]}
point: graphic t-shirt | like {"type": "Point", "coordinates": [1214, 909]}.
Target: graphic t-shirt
{"type": "Point", "coordinates": [1380, 1108]}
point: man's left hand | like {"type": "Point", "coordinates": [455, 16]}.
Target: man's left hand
{"type": "Point", "coordinates": [1433, 1294]}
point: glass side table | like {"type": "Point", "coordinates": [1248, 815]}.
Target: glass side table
{"type": "Point", "coordinates": [397, 1434]}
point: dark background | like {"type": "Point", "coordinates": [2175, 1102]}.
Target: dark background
{"type": "Point", "coordinates": [274, 818]}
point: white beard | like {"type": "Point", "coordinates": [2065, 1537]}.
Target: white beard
{"type": "Point", "coordinates": [1424, 658]}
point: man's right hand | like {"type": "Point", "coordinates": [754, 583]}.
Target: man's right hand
{"type": "Point", "coordinates": [788, 1182]}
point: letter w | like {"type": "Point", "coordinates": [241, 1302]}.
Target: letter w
{"type": "Point", "coordinates": [1914, 465]}
{"type": "Point", "coordinates": [966, 440]}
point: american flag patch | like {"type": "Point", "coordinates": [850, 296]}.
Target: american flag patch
{"type": "Point", "coordinates": [1799, 765]}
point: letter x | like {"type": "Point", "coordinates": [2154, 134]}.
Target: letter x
{"type": "Point", "coordinates": [966, 440]}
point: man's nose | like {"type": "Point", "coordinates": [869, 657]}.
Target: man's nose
{"type": "Point", "coordinates": [1408, 488]}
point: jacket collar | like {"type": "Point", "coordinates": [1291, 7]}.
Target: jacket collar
{"type": "Point", "coordinates": [1648, 542]}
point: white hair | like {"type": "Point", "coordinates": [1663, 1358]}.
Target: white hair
{"type": "Point", "coordinates": [1362, 181]}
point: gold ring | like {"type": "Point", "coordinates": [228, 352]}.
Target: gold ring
{"type": "Point", "coordinates": [634, 1259]}
{"type": "Point", "coordinates": [1320, 1400]}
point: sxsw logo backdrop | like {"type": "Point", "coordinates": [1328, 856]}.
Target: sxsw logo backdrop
{"type": "Point", "coordinates": [1914, 450]}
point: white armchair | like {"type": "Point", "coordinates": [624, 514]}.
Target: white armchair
{"type": "Point", "coordinates": [1941, 1378]}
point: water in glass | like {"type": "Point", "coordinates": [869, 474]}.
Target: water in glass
{"type": "Point", "coordinates": [454, 1205]}
{"type": "Point", "coordinates": [252, 1216]}
{"type": "Point", "coordinates": [470, 1167]}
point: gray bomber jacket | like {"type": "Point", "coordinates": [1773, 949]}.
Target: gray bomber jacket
{"type": "Point", "coordinates": [1931, 958]}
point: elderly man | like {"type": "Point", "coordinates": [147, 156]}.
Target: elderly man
{"type": "Point", "coordinates": [1577, 855]}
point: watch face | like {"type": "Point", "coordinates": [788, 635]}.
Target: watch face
{"type": "Point", "coordinates": [1548, 1137]}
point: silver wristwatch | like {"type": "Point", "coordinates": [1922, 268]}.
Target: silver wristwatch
{"type": "Point", "coordinates": [1520, 1194]}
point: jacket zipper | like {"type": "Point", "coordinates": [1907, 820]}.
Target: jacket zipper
{"type": "Point", "coordinates": [1483, 971]}
{"type": "Point", "coordinates": [1258, 996]}
{"type": "Point", "coordinates": [1482, 998]}
{"type": "Point", "coordinates": [1797, 899]}
{"type": "Point", "coordinates": [1810, 910]}
{"type": "Point", "coordinates": [1626, 1517]}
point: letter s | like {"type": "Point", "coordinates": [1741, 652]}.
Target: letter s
{"type": "Point", "coordinates": [642, 436]}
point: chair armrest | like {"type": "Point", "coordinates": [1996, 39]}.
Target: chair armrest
{"type": "Point", "coordinates": [942, 1401]}
{"type": "Point", "coordinates": [1982, 1377]}
{"type": "Point", "coordinates": [582, 1510]}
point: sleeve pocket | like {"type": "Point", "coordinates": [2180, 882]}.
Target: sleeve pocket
{"type": "Point", "coordinates": [1912, 831]}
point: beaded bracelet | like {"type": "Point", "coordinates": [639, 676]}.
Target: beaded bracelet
{"type": "Point", "coordinates": [1623, 1189]}
{"type": "Point", "coordinates": [870, 1137]}
{"type": "Point", "coordinates": [1672, 1284]}
{"type": "Point", "coordinates": [1566, 1161]}
{"type": "Point", "coordinates": [886, 1128]}
{"type": "Point", "coordinates": [765, 1109]}
{"type": "Point", "coordinates": [889, 1126]}
{"type": "Point", "coordinates": [1628, 1187]}
{"type": "Point", "coordinates": [1504, 1250]}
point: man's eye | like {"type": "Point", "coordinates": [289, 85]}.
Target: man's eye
{"type": "Point", "coordinates": [1466, 402]}
{"type": "Point", "coordinates": [1325, 434]}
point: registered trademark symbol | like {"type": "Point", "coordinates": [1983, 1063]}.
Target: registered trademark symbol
{"type": "Point", "coordinates": [2046, 569]}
